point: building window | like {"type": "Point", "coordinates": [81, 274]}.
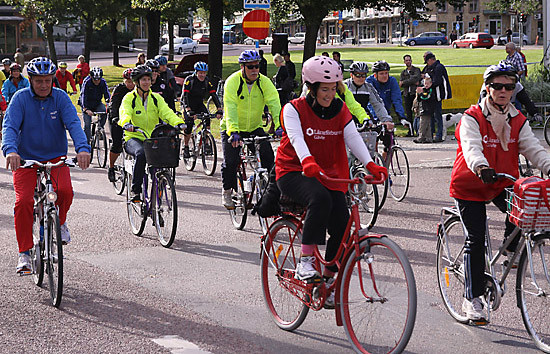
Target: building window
{"type": "Point", "coordinates": [26, 31]}
{"type": "Point", "coordinates": [442, 7]}
{"type": "Point", "coordinates": [458, 8]}
{"type": "Point", "coordinates": [474, 5]}
{"type": "Point", "coordinates": [442, 27]}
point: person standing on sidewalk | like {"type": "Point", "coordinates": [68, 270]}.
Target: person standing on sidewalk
{"type": "Point", "coordinates": [442, 89]}
{"type": "Point", "coordinates": [19, 57]}
{"type": "Point", "coordinates": [409, 81]}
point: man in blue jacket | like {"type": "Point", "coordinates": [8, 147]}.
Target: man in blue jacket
{"type": "Point", "coordinates": [35, 129]}
{"type": "Point", "coordinates": [94, 88]}
{"type": "Point", "coordinates": [387, 87]}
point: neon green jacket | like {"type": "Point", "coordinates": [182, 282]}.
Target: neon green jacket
{"type": "Point", "coordinates": [242, 109]}
{"type": "Point", "coordinates": [132, 111]}
{"type": "Point", "coordinates": [355, 107]}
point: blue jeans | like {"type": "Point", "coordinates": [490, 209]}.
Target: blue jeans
{"type": "Point", "coordinates": [134, 147]}
{"type": "Point", "coordinates": [437, 121]}
{"type": "Point", "coordinates": [88, 120]}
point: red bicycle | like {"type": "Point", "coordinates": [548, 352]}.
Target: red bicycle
{"type": "Point", "coordinates": [375, 289]}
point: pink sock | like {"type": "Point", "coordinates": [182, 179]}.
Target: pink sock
{"type": "Point", "coordinates": [308, 249]}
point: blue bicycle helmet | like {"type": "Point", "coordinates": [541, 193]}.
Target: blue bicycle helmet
{"type": "Point", "coordinates": [41, 66]}
{"type": "Point", "coordinates": [249, 56]}
{"type": "Point", "coordinates": [503, 68]}
{"type": "Point", "coordinates": [200, 66]}
{"type": "Point", "coordinates": [162, 60]}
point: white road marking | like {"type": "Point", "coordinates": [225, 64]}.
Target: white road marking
{"type": "Point", "coordinates": [178, 345]}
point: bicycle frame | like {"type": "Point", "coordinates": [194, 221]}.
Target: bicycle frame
{"type": "Point", "coordinates": [251, 159]}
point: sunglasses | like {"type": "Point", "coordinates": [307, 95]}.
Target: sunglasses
{"type": "Point", "coordinates": [498, 86]}
{"type": "Point", "coordinates": [257, 66]}
{"type": "Point", "coordinates": [359, 75]}
{"type": "Point", "coordinates": [156, 71]}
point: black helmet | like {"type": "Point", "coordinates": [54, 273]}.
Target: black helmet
{"type": "Point", "coordinates": [153, 64]}
{"type": "Point", "coordinates": [6, 61]}
{"type": "Point", "coordinates": [380, 65]}
{"type": "Point", "coordinates": [504, 68]}
{"type": "Point", "coordinates": [96, 73]}
{"type": "Point", "coordinates": [140, 71]}
{"type": "Point", "coordinates": [359, 67]}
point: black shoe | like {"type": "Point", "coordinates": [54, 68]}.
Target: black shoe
{"type": "Point", "coordinates": [136, 198]}
{"type": "Point", "coordinates": [111, 174]}
{"type": "Point", "coordinates": [419, 141]}
{"type": "Point", "coordinates": [438, 140]}
{"type": "Point", "coordinates": [186, 154]}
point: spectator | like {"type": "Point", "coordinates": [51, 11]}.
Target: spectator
{"type": "Point", "coordinates": [140, 59]}
{"type": "Point", "coordinates": [6, 63]}
{"type": "Point", "coordinates": [428, 103]}
{"type": "Point", "coordinates": [19, 57]}
{"type": "Point", "coordinates": [281, 79]}
{"type": "Point", "coordinates": [263, 63]}
{"type": "Point", "coordinates": [325, 54]}
{"type": "Point", "coordinates": [82, 70]}
{"type": "Point", "coordinates": [63, 76]}
{"type": "Point", "coordinates": [515, 59]}
{"type": "Point", "coordinates": [290, 67]}
{"type": "Point", "coordinates": [441, 87]}
{"type": "Point", "coordinates": [15, 82]}
{"type": "Point", "coordinates": [508, 35]}
{"type": "Point", "coordinates": [94, 88]}
{"type": "Point", "coordinates": [409, 81]}
{"type": "Point", "coordinates": [454, 36]}
{"type": "Point", "coordinates": [336, 57]}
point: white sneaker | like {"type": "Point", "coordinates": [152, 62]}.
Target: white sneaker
{"type": "Point", "coordinates": [305, 269]}
{"type": "Point", "coordinates": [227, 199]}
{"type": "Point", "coordinates": [65, 234]}
{"type": "Point", "coordinates": [329, 301]}
{"type": "Point", "coordinates": [473, 309]}
{"type": "Point", "coordinates": [24, 263]}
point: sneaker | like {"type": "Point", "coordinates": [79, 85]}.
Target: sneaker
{"type": "Point", "coordinates": [23, 264]}
{"type": "Point", "coordinates": [186, 153]}
{"type": "Point", "coordinates": [227, 199]}
{"type": "Point", "coordinates": [136, 198]}
{"type": "Point", "coordinates": [305, 269]}
{"type": "Point", "coordinates": [111, 174]}
{"type": "Point", "coordinates": [65, 234]}
{"type": "Point", "coordinates": [329, 301]}
{"type": "Point", "coordinates": [473, 309]}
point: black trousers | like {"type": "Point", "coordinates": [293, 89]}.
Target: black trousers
{"type": "Point", "coordinates": [326, 210]}
{"type": "Point", "coordinates": [474, 215]}
{"type": "Point", "coordinates": [407, 104]}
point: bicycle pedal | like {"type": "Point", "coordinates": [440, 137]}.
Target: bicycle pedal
{"type": "Point", "coordinates": [314, 280]}
{"type": "Point", "coordinates": [480, 322]}
{"type": "Point", "coordinates": [25, 272]}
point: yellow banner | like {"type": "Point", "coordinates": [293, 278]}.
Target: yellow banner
{"type": "Point", "coordinates": [465, 89]}
{"type": "Point", "coordinates": [256, 24]}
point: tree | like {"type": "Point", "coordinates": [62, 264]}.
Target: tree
{"type": "Point", "coordinates": [525, 6]}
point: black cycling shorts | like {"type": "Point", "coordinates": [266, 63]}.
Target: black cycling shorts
{"type": "Point", "coordinates": [116, 135]}
{"type": "Point", "coordinates": [190, 122]}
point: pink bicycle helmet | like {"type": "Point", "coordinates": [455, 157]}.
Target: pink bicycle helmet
{"type": "Point", "coordinates": [321, 69]}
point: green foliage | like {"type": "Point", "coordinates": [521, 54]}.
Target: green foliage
{"type": "Point", "coordinates": [526, 6]}
{"type": "Point", "coordinates": [102, 41]}
{"type": "Point", "coordinates": [537, 83]}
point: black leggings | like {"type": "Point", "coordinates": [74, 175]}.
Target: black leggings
{"type": "Point", "coordinates": [326, 210]}
{"type": "Point", "coordinates": [189, 122]}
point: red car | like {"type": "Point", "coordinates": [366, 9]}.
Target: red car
{"type": "Point", "coordinates": [202, 38]}
{"type": "Point", "coordinates": [474, 40]}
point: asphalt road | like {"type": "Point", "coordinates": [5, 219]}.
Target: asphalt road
{"type": "Point", "coordinates": [122, 292]}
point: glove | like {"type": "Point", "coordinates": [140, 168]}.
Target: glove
{"type": "Point", "coordinates": [279, 132]}
{"type": "Point", "coordinates": [310, 167]}
{"type": "Point", "coordinates": [182, 126]}
{"type": "Point", "coordinates": [377, 171]}
{"type": "Point", "coordinates": [487, 174]}
{"type": "Point", "coordinates": [220, 112]}
{"type": "Point", "coordinates": [538, 118]}
{"type": "Point", "coordinates": [129, 127]}
{"type": "Point", "coordinates": [235, 137]}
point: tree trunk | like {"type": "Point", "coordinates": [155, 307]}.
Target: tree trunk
{"type": "Point", "coordinates": [88, 38]}
{"type": "Point", "coordinates": [48, 27]}
{"type": "Point", "coordinates": [114, 36]}
{"type": "Point", "coordinates": [215, 47]}
{"type": "Point", "coordinates": [153, 33]}
{"type": "Point", "coordinates": [310, 42]}
{"type": "Point", "coordinates": [313, 14]}
{"type": "Point", "coordinates": [170, 39]}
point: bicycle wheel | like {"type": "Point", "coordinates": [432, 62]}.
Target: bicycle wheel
{"type": "Point", "coordinates": [101, 147]}
{"type": "Point", "coordinates": [368, 196]}
{"type": "Point", "coordinates": [384, 190]}
{"type": "Point", "coordinates": [450, 268]}
{"type": "Point", "coordinates": [399, 174]}
{"type": "Point", "coordinates": [120, 176]}
{"type": "Point", "coordinates": [533, 301]}
{"type": "Point", "coordinates": [239, 214]}
{"type": "Point", "coordinates": [192, 160]}
{"type": "Point", "coordinates": [165, 209]}
{"type": "Point", "coordinates": [211, 106]}
{"type": "Point", "coordinates": [209, 154]}
{"type": "Point", "coordinates": [280, 255]}
{"type": "Point", "coordinates": [93, 147]}
{"type": "Point", "coordinates": [54, 259]}
{"type": "Point", "coordinates": [136, 214]}
{"type": "Point", "coordinates": [37, 251]}
{"type": "Point", "coordinates": [262, 181]}
{"type": "Point", "coordinates": [546, 130]}
{"type": "Point", "coordinates": [378, 297]}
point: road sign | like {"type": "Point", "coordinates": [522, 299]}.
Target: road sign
{"type": "Point", "coordinates": [256, 24]}
{"type": "Point", "coordinates": [415, 23]}
{"type": "Point", "coordinates": [339, 15]}
{"type": "Point", "coordinates": [257, 4]}
{"type": "Point", "coordinates": [457, 26]}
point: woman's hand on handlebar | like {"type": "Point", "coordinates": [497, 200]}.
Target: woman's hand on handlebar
{"type": "Point", "coordinates": [486, 174]}
{"type": "Point", "coordinates": [129, 127]}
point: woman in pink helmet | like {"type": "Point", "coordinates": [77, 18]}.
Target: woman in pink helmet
{"type": "Point", "coordinates": [317, 129]}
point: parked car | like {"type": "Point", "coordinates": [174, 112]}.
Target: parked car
{"type": "Point", "coordinates": [250, 41]}
{"type": "Point", "coordinates": [202, 38]}
{"type": "Point", "coordinates": [502, 40]}
{"type": "Point", "coordinates": [269, 41]}
{"type": "Point", "coordinates": [299, 38]}
{"type": "Point", "coordinates": [181, 45]}
{"type": "Point", "coordinates": [474, 40]}
{"type": "Point", "coordinates": [436, 38]}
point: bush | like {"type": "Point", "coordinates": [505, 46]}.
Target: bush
{"type": "Point", "coordinates": [537, 83]}
{"type": "Point", "coordinates": [101, 39]}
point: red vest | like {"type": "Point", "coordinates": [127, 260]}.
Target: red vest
{"type": "Point", "coordinates": [325, 140]}
{"type": "Point", "coordinates": [464, 183]}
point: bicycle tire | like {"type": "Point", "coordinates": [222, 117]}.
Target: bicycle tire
{"type": "Point", "coordinates": [102, 148]}
{"type": "Point", "coordinates": [383, 322]}
{"type": "Point", "coordinates": [212, 109]}
{"type": "Point", "coordinates": [192, 160]}
{"type": "Point", "coordinates": [261, 186]}
{"type": "Point", "coordinates": [535, 306]}
{"type": "Point", "coordinates": [546, 130]}
{"type": "Point", "coordinates": [450, 268]}
{"type": "Point", "coordinates": [239, 214]}
{"type": "Point", "coordinates": [93, 147]}
{"type": "Point", "coordinates": [120, 176]}
{"type": "Point", "coordinates": [54, 260]}
{"type": "Point", "coordinates": [287, 311]}
{"type": "Point", "coordinates": [37, 252]}
{"type": "Point", "coordinates": [165, 209]}
{"type": "Point", "coordinates": [368, 194]}
{"type": "Point", "coordinates": [136, 215]}
{"type": "Point", "coordinates": [209, 158]}
{"type": "Point", "coordinates": [381, 196]}
{"type": "Point", "coordinates": [399, 174]}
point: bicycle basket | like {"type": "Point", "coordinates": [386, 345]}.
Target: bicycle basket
{"type": "Point", "coordinates": [369, 137]}
{"type": "Point", "coordinates": [528, 206]}
{"type": "Point", "coordinates": [162, 152]}
{"type": "Point", "coordinates": [163, 130]}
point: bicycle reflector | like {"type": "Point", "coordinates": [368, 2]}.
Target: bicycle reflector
{"type": "Point", "coordinates": [278, 252]}
{"type": "Point", "coordinates": [447, 276]}
{"type": "Point", "coordinates": [51, 196]}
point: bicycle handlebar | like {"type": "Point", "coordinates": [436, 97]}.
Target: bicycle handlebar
{"type": "Point", "coordinates": [505, 175]}
{"type": "Point", "coordinates": [368, 179]}
{"type": "Point", "coordinates": [256, 139]}
{"type": "Point", "coordinates": [30, 163]}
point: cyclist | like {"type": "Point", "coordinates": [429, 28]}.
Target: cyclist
{"type": "Point", "coordinates": [119, 92]}
{"type": "Point", "coordinates": [196, 88]}
{"type": "Point", "coordinates": [388, 88]}
{"type": "Point", "coordinates": [6, 63]}
{"type": "Point", "coordinates": [167, 74]}
{"type": "Point", "coordinates": [490, 137]}
{"type": "Point", "coordinates": [160, 86]}
{"type": "Point", "coordinates": [63, 76]}
{"type": "Point", "coordinates": [246, 93]}
{"type": "Point", "coordinates": [94, 88]}
{"type": "Point", "coordinates": [33, 112]}
{"type": "Point", "coordinates": [144, 109]}
{"type": "Point", "coordinates": [15, 82]}
{"type": "Point", "coordinates": [316, 131]}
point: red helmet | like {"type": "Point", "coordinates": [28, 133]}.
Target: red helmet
{"type": "Point", "coordinates": [321, 69]}
{"type": "Point", "coordinates": [127, 74]}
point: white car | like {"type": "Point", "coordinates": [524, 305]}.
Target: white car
{"type": "Point", "coordinates": [269, 41]}
{"type": "Point", "coordinates": [502, 40]}
{"type": "Point", "coordinates": [299, 38]}
{"type": "Point", "coordinates": [181, 45]}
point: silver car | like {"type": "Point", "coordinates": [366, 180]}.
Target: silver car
{"type": "Point", "coordinates": [181, 45]}
{"type": "Point", "coordinates": [502, 40]}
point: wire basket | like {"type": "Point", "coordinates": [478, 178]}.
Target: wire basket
{"type": "Point", "coordinates": [529, 212]}
{"type": "Point", "coordinates": [370, 137]}
{"type": "Point", "coordinates": [162, 152]}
